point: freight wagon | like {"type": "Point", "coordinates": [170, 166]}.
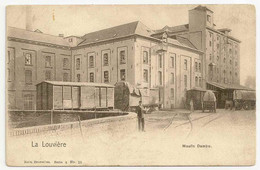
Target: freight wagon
{"type": "Point", "coordinates": [127, 97]}
{"type": "Point", "coordinates": [58, 95]}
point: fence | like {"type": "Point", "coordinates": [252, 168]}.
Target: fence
{"type": "Point", "coordinates": [65, 126]}
{"type": "Point", "coordinates": [28, 118]}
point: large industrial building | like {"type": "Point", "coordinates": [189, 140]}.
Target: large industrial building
{"type": "Point", "coordinates": [171, 60]}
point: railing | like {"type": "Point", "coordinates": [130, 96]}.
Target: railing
{"type": "Point", "coordinates": [68, 125]}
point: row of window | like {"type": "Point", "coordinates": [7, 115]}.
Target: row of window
{"type": "Point", "coordinates": [105, 76]}
{"type": "Point", "coordinates": [91, 60]}
{"type": "Point", "coordinates": [48, 61]}
{"type": "Point", "coordinates": [48, 76]}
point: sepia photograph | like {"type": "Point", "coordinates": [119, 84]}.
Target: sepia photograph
{"type": "Point", "coordinates": [130, 85]}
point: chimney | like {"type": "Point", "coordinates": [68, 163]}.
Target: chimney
{"type": "Point", "coordinates": [29, 24]}
{"type": "Point", "coordinates": [61, 35]}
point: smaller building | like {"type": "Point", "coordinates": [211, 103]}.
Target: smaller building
{"type": "Point", "coordinates": [57, 95]}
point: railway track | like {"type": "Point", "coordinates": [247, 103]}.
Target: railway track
{"type": "Point", "coordinates": [202, 121]}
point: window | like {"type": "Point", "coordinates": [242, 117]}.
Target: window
{"type": "Point", "coordinates": [235, 63]}
{"type": "Point", "coordinates": [78, 64]}
{"type": "Point", "coordinates": [91, 61]}
{"type": "Point", "coordinates": [172, 78]}
{"type": "Point", "coordinates": [172, 62]}
{"type": "Point", "coordinates": [9, 74]}
{"type": "Point", "coordinates": [78, 77]}
{"type": "Point", "coordinates": [185, 81]}
{"type": "Point", "coordinates": [122, 75]}
{"type": "Point", "coordinates": [105, 59]}
{"type": "Point", "coordinates": [91, 77]}
{"type": "Point", "coordinates": [230, 51]}
{"type": "Point", "coordinates": [145, 57]}
{"type": "Point", "coordinates": [122, 57]}
{"type": "Point", "coordinates": [8, 57]}
{"type": "Point", "coordinates": [185, 64]}
{"type": "Point", "coordinates": [160, 60]}
{"type": "Point", "coordinates": [200, 82]}
{"type": "Point", "coordinates": [28, 59]}
{"type": "Point", "coordinates": [209, 18]}
{"type": "Point", "coordinates": [160, 77]}
{"type": "Point", "coordinates": [210, 43]}
{"type": "Point", "coordinates": [230, 61]}
{"type": "Point", "coordinates": [65, 63]}
{"type": "Point", "coordinates": [65, 77]}
{"type": "Point", "coordinates": [217, 58]}
{"type": "Point", "coordinates": [199, 67]}
{"type": "Point", "coordinates": [47, 75]}
{"type": "Point", "coordinates": [210, 68]}
{"type": "Point", "coordinates": [172, 93]}
{"type": "Point", "coordinates": [217, 46]}
{"type": "Point", "coordinates": [28, 102]}
{"type": "Point", "coordinates": [236, 74]}
{"type": "Point", "coordinates": [28, 77]}
{"type": "Point", "coordinates": [210, 57]}
{"type": "Point", "coordinates": [224, 60]}
{"type": "Point", "coordinates": [48, 61]}
{"type": "Point", "coordinates": [145, 75]}
{"type": "Point", "coordinates": [196, 81]}
{"type": "Point", "coordinates": [106, 77]}
{"type": "Point", "coordinates": [196, 66]}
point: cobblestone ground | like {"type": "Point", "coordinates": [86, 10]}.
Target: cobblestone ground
{"type": "Point", "coordinates": [222, 138]}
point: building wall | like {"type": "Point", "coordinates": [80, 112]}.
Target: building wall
{"type": "Point", "coordinates": [113, 49]}
{"type": "Point", "coordinates": [216, 46]}
{"type": "Point", "coordinates": [20, 93]}
{"type": "Point", "coordinates": [224, 53]}
{"type": "Point", "coordinates": [170, 99]}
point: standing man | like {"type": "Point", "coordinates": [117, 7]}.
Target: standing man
{"type": "Point", "coordinates": [140, 116]}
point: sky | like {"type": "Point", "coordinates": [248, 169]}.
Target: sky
{"type": "Point", "coordinates": [79, 20]}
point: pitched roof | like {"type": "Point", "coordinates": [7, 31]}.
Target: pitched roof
{"type": "Point", "coordinates": [185, 42]}
{"type": "Point", "coordinates": [118, 31]}
{"type": "Point", "coordinates": [36, 36]}
{"type": "Point", "coordinates": [230, 86]}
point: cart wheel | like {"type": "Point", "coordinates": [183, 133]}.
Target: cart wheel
{"type": "Point", "coordinates": [246, 106]}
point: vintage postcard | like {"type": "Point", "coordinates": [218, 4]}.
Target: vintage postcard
{"type": "Point", "coordinates": [130, 85]}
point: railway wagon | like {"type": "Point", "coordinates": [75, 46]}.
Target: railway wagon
{"type": "Point", "coordinates": [127, 97]}
{"type": "Point", "coordinates": [58, 95]}
{"type": "Point", "coordinates": [244, 99]}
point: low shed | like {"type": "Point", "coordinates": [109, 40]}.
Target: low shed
{"type": "Point", "coordinates": [58, 95]}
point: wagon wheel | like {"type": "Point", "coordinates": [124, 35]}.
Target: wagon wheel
{"type": "Point", "coordinates": [246, 106]}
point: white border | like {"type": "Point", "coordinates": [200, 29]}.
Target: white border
{"type": "Point", "coordinates": [4, 3]}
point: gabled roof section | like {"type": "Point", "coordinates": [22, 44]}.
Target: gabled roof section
{"type": "Point", "coordinates": [35, 36]}
{"type": "Point", "coordinates": [185, 42]}
{"type": "Point", "coordinates": [115, 32]}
